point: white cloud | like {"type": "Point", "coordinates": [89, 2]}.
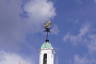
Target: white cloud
{"type": "Point", "coordinates": [41, 9]}
{"type": "Point", "coordinates": [86, 37]}
{"type": "Point", "coordinates": [14, 28]}
{"type": "Point", "coordinates": [80, 37]}
{"type": "Point", "coordinates": [11, 58]}
{"type": "Point", "coordinates": [84, 30]}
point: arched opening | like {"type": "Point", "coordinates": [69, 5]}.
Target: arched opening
{"type": "Point", "coordinates": [45, 59]}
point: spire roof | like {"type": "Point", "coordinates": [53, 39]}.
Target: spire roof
{"type": "Point", "coordinates": [46, 45]}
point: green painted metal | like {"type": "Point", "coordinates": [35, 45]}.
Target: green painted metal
{"type": "Point", "coordinates": [46, 45]}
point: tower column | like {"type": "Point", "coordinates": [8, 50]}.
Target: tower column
{"type": "Point", "coordinates": [46, 54]}
{"type": "Point", "coordinates": [46, 51]}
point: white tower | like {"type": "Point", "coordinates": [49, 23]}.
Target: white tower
{"type": "Point", "coordinates": [46, 53]}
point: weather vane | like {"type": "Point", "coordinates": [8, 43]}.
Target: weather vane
{"type": "Point", "coordinates": [47, 27]}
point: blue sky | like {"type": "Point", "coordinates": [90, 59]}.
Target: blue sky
{"type": "Point", "coordinates": [73, 35]}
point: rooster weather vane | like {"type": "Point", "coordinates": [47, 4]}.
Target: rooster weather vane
{"type": "Point", "coordinates": [47, 27]}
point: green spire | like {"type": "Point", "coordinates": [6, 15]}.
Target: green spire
{"type": "Point", "coordinates": [46, 45]}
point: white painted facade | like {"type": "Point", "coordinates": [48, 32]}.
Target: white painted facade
{"type": "Point", "coordinates": [50, 55]}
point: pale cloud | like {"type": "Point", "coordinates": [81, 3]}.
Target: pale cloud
{"type": "Point", "coordinates": [55, 29]}
{"type": "Point", "coordinates": [72, 38]}
{"type": "Point", "coordinates": [83, 60]}
{"type": "Point", "coordinates": [92, 48]}
{"type": "Point", "coordinates": [86, 37]}
{"type": "Point", "coordinates": [92, 44]}
{"type": "Point", "coordinates": [12, 58]}
{"type": "Point", "coordinates": [80, 37]}
{"type": "Point", "coordinates": [40, 9]}
{"type": "Point", "coordinates": [84, 30]}
{"type": "Point", "coordinates": [80, 60]}
{"type": "Point", "coordinates": [14, 28]}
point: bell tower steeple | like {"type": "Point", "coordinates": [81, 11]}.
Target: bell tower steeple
{"type": "Point", "coordinates": [46, 51]}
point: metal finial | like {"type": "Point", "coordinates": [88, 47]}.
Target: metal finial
{"type": "Point", "coordinates": [47, 27]}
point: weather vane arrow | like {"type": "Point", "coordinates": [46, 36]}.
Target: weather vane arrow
{"type": "Point", "coordinates": [47, 27]}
